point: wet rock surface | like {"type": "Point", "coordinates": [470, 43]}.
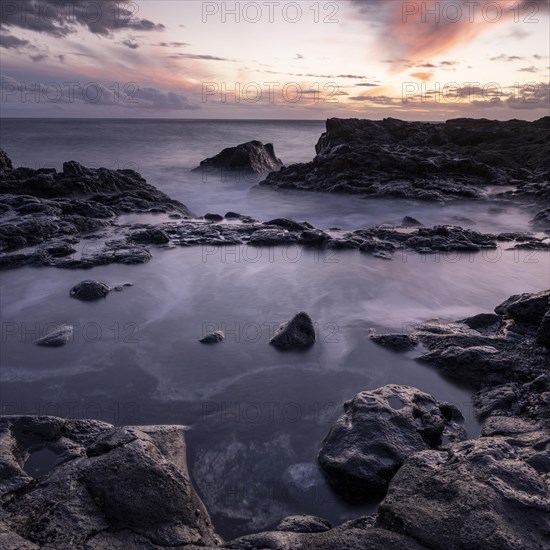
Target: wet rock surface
{"type": "Point", "coordinates": [88, 290]}
{"type": "Point", "coordinates": [299, 333]}
{"type": "Point", "coordinates": [124, 487]}
{"type": "Point", "coordinates": [252, 157]}
{"type": "Point", "coordinates": [423, 161]}
{"type": "Point", "coordinates": [213, 337]}
{"type": "Point", "coordinates": [378, 431]}
{"type": "Point", "coordinates": [57, 337]}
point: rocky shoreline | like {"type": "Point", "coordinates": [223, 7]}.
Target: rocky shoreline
{"type": "Point", "coordinates": [99, 486]}
{"type": "Point", "coordinates": [423, 161]}
{"type": "Point", "coordinates": [120, 487]}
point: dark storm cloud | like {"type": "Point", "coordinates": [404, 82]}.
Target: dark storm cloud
{"type": "Point", "coordinates": [9, 41]}
{"type": "Point", "coordinates": [60, 18]}
{"type": "Point", "coordinates": [93, 93]}
{"type": "Point", "coordinates": [38, 57]}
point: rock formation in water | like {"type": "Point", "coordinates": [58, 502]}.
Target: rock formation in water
{"type": "Point", "coordinates": [489, 492]}
{"type": "Point", "coordinates": [298, 332]}
{"type": "Point", "coordinates": [89, 290]}
{"type": "Point", "coordinates": [424, 161]}
{"type": "Point", "coordinates": [378, 431]}
{"type": "Point", "coordinates": [253, 157]}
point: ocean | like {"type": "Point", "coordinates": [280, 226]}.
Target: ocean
{"type": "Point", "coordinates": [257, 416]}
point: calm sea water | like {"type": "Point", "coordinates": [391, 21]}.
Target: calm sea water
{"type": "Point", "coordinates": [257, 416]}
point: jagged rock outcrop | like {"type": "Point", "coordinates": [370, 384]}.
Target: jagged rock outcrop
{"type": "Point", "coordinates": [57, 208]}
{"type": "Point", "coordinates": [424, 161]}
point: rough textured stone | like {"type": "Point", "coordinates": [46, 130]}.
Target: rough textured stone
{"type": "Point", "coordinates": [114, 486]}
{"type": "Point", "coordinates": [478, 494]}
{"type": "Point", "coordinates": [378, 431]}
{"type": "Point", "coordinates": [422, 161]}
{"type": "Point", "coordinates": [89, 290]}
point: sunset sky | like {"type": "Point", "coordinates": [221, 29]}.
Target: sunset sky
{"type": "Point", "coordinates": [289, 60]}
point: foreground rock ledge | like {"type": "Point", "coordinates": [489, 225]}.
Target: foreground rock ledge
{"type": "Point", "coordinates": [124, 487]}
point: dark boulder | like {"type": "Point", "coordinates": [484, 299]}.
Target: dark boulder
{"type": "Point", "coordinates": [378, 431]}
{"type": "Point", "coordinates": [213, 337]}
{"type": "Point", "coordinates": [89, 290]}
{"type": "Point", "coordinates": [299, 332]}
{"type": "Point", "coordinates": [253, 157]}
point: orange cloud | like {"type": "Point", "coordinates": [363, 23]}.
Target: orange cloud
{"type": "Point", "coordinates": [422, 30]}
{"type": "Point", "coordinates": [422, 76]}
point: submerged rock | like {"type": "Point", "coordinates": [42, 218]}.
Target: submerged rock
{"type": "Point", "coordinates": [379, 430]}
{"type": "Point", "coordinates": [57, 337]}
{"type": "Point", "coordinates": [89, 290]}
{"type": "Point", "coordinates": [299, 332]}
{"type": "Point", "coordinates": [253, 156]}
{"type": "Point", "coordinates": [213, 337]}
